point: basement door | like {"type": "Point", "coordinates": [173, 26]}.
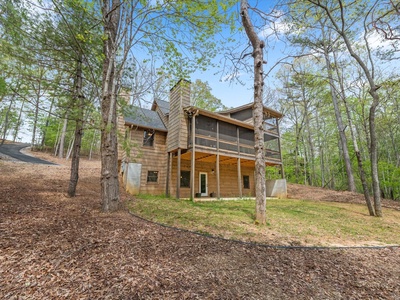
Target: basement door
{"type": "Point", "coordinates": [203, 184]}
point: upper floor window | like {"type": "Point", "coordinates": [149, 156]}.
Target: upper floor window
{"type": "Point", "coordinates": [148, 137]}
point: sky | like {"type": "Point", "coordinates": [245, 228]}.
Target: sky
{"type": "Point", "coordinates": [234, 94]}
{"type": "Point", "coordinates": [231, 92]}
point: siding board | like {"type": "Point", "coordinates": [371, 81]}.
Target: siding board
{"type": "Point", "coordinates": [152, 159]}
{"type": "Point", "coordinates": [178, 120]}
{"type": "Point", "coordinates": [228, 176]}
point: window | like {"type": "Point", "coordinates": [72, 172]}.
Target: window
{"type": "Point", "coordinates": [185, 178]}
{"type": "Point", "coordinates": [152, 176]}
{"type": "Point", "coordinates": [148, 137]}
{"type": "Point", "coordinates": [246, 181]}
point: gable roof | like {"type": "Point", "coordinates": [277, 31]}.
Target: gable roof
{"type": "Point", "coordinates": [267, 110]}
{"type": "Point", "coordinates": [217, 116]}
{"type": "Point", "coordinates": [143, 117]}
{"type": "Point", "coordinates": [163, 105]}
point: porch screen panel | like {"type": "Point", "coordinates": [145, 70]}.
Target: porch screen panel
{"type": "Point", "coordinates": [227, 132]}
{"type": "Point", "coordinates": [206, 126]}
{"type": "Point", "coordinates": [229, 147]}
{"type": "Point", "coordinates": [269, 137]}
{"type": "Point", "coordinates": [247, 150]}
{"type": "Point", "coordinates": [246, 140]}
{"type": "Point", "coordinates": [272, 149]}
{"type": "Point", "coordinates": [246, 136]}
{"type": "Point", "coordinates": [206, 142]}
{"type": "Point", "coordinates": [270, 125]}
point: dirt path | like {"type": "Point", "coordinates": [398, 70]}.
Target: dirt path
{"type": "Point", "coordinates": [54, 247]}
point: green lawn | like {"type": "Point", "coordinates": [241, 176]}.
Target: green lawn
{"type": "Point", "coordinates": [290, 222]}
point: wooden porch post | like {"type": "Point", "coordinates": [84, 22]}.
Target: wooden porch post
{"type": "Point", "coordinates": [238, 164]}
{"type": "Point", "coordinates": [239, 177]}
{"type": "Point", "coordinates": [217, 164]}
{"type": "Point", "coordinates": [169, 159]}
{"type": "Point", "coordinates": [279, 146]}
{"type": "Point", "coordinates": [178, 175]}
{"type": "Point", "coordinates": [193, 158]}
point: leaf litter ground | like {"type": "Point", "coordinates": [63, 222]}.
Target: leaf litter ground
{"type": "Point", "coordinates": [54, 247]}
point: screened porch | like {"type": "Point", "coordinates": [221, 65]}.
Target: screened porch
{"type": "Point", "coordinates": [213, 135]}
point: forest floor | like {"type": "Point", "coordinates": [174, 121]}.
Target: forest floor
{"type": "Point", "coordinates": [55, 247]}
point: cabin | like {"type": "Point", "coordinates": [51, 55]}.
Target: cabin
{"type": "Point", "coordinates": [184, 151]}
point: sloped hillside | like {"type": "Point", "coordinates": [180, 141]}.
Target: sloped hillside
{"type": "Point", "coordinates": [54, 247]}
{"type": "Point", "coordinates": [299, 191]}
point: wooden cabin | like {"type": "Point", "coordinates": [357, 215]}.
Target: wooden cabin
{"type": "Point", "coordinates": [187, 152]}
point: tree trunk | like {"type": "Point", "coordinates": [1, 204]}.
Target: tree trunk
{"type": "Point", "coordinates": [109, 155]}
{"type": "Point", "coordinates": [5, 127]}
{"type": "Point", "coordinates": [374, 154]}
{"type": "Point", "coordinates": [57, 141]}
{"type": "Point", "coordinates": [70, 146]}
{"type": "Point", "coordinates": [321, 151]}
{"type": "Point", "coordinates": [62, 137]}
{"type": "Point", "coordinates": [361, 170]}
{"type": "Point", "coordinates": [339, 121]}
{"type": "Point", "coordinates": [311, 160]}
{"type": "Point", "coordinates": [258, 115]}
{"type": "Point", "coordinates": [47, 123]}
{"type": "Point", "coordinates": [91, 145]}
{"type": "Point", "coordinates": [18, 124]}
{"type": "Point", "coordinates": [372, 91]}
{"type": "Point", "coordinates": [38, 93]}
{"type": "Point", "coordinates": [360, 166]}
{"type": "Point", "coordinates": [297, 151]}
{"type": "Point", "coordinates": [79, 107]}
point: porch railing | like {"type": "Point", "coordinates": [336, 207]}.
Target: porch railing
{"type": "Point", "coordinates": [210, 144]}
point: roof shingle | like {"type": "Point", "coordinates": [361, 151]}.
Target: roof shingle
{"type": "Point", "coordinates": [144, 118]}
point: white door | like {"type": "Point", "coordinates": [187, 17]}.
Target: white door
{"type": "Point", "coordinates": [203, 183]}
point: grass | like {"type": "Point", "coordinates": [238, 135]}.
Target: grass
{"type": "Point", "coordinates": [289, 221]}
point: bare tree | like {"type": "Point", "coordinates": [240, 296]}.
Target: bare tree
{"type": "Point", "coordinates": [327, 47]}
{"type": "Point", "coordinates": [357, 151]}
{"type": "Point", "coordinates": [340, 26]}
{"type": "Point", "coordinates": [79, 103]}
{"type": "Point", "coordinates": [258, 116]}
